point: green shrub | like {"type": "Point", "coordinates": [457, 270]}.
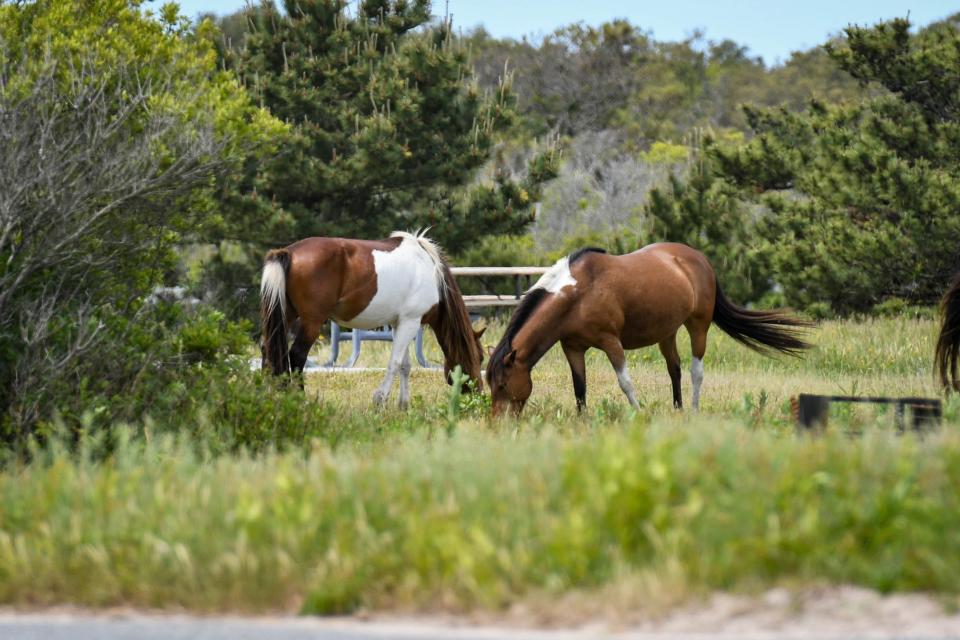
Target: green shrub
{"type": "Point", "coordinates": [207, 335]}
{"type": "Point", "coordinates": [890, 307]}
{"type": "Point", "coordinates": [820, 311]}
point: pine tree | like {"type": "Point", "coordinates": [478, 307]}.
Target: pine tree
{"type": "Point", "coordinates": [863, 198]}
{"type": "Point", "coordinates": [701, 210]}
{"type": "Point", "coordinates": [388, 132]}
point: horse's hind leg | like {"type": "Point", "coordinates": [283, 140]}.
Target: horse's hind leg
{"type": "Point", "coordinates": [669, 350]}
{"type": "Point", "coordinates": [578, 370]}
{"type": "Point", "coordinates": [403, 335]}
{"type": "Point", "coordinates": [698, 346]}
{"type": "Point", "coordinates": [307, 334]}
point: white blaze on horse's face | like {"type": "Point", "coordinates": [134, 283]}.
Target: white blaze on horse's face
{"type": "Point", "coordinates": [406, 286]}
{"type": "Point", "coordinates": [557, 277]}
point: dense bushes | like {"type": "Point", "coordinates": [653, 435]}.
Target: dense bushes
{"type": "Point", "coordinates": [110, 141]}
{"type": "Point", "coordinates": [858, 202]}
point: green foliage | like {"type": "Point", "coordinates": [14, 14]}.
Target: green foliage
{"type": "Point", "coordinates": [224, 410]}
{"type": "Point", "coordinates": [160, 362]}
{"type": "Point", "coordinates": [481, 520]}
{"type": "Point", "coordinates": [126, 113]}
{"type": "Point", "coordinates": [161, 46]}
{"type": "Point", "coordinates": [898, 307]}
{"type": "Point", "coordinates": [703, 211]}
{"type": "Point", "coordinates": [387, 129]}
{"type": "Point", "coordinates": [499, 251]}
{"type": "Point", "coordinates": [209, 336]}
{"type": "Point", "coordinates": [666, 153]}
{"type": "Point", "coordinates": [863, 198]}
{"type": "Point", "coordinates": [819, 311]}
{"type": "Point", "coordinates": [582, 78]}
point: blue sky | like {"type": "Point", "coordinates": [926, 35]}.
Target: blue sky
{"type": "Point", "coordinates": [770, 28]}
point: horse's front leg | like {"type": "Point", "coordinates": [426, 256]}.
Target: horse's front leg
{"type": "Point", "coordinates": [403, 335]}
{"type": "Point", "coordinates": [578, 370]}
{"type": "Point", "coordinates": [614, 349]}
{"type": "Point", "coordinates": [405, 379]}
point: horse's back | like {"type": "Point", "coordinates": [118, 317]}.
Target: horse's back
{"type": "Point", "coordinates": [665, 270]}
{"type": "Point", "coordinates": [406, 285]}
{"type": "Point", "coordinates": [694, 266]}
{"type": "Point", "coordinates": [657, 288]}
{"type": "Point", "coordinates": [333, 276]}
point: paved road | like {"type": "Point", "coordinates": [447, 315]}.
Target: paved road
{"type": "Point", "coordinates": [141, 627]}
{"type": "Point", "coordinates": [144, 627]}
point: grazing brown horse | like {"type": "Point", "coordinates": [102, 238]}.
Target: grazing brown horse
{"type": "Point", "coordinates": [403, 281]}
{"type": "Point", "coordinates": [591, 299]}
{"type": "Point", "coordinates": [947, 356]}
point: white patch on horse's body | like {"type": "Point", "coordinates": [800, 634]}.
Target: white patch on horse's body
{"type": "Point", "coordinates": [557, 277]}
{"type": "Point", "coordinates": [432, 250]}
{"type": "Point", "coordinates": [409, 281]}
{"type": "Point", "coordinates": [696, 375]}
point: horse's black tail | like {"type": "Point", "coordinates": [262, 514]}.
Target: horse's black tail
{"type": "Point", "coordinates": [762, 331]}
{"type": "Point", "coordinates": [947, 357]}
{"type": "Point", "coordinates": [273, 311]}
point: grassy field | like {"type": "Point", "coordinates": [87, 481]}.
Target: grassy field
{"type": "Point", "coordinates": [874, 357]}
{"type": "Point", "coordinates": [440, 509]}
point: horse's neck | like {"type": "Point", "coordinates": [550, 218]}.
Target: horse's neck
{"type": "Point", "coordinates": [541, 331]}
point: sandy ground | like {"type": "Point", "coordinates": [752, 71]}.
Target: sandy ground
{"type": "Point", "coordinates": [836, 612]}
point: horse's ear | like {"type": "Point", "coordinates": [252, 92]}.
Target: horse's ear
{"type": "Point", "coordinates": [478, 334]}
{"type": "Point", "coordinates": [490, 350]}
{"type": "Point", "coordinates": [508, 361]}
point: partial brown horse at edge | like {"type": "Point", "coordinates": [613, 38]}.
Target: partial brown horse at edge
{"type": "Point", "coordinates": [612, 303]}
{"type": "Point", "coordinates": [947, 354]}
{"type": "Point", "coordinates": [403, 281]}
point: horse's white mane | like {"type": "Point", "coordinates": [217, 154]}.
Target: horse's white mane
{"type": "Point", "coordinates": [432, 249]}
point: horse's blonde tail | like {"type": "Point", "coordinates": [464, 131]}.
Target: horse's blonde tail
{"type": "Point", "coordinates": [273, 310]}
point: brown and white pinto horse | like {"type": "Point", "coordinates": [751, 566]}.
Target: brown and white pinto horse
{"type": "Point", "coordinates": [403, 281]}
{"type": "Point", "coordinates": [947, 355]}
{"type": "Point", "coordinates": [591, 299]}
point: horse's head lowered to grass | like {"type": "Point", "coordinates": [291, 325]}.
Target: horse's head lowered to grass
{"type": "Point", "coordinates": [509, 380]}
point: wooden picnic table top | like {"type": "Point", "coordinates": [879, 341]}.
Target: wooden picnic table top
{"type": "Point", "coordinates": [498, 271]}
{"type": "Point", "coordinates": [490, 301]}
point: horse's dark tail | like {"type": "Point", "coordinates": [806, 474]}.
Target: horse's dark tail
{"type": "Point", "coordinates": [947, 359]}
{"type": "Point", "coordinates": [762, 331]}
{"type": "Point", "coordinates": [273, 311]}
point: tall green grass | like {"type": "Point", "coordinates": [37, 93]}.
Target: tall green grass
{"type": "Point", "coordinates": [482, 518]}
{"type": "Point", "coordinates": [247, 496]}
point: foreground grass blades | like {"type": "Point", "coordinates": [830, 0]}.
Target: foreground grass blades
{"type": "Point", "coordinates": [481, 519]}
{"type": "Point", "coordinates": [248, 497]}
